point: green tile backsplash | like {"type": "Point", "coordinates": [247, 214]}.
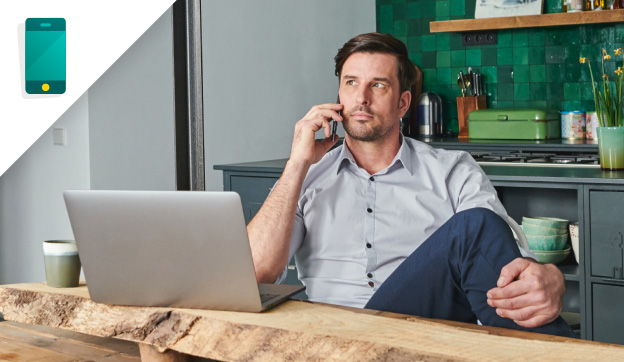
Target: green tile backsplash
{"type": "Point", "coordinates": [535, 67]}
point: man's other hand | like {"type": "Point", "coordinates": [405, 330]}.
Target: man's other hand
{"type": "Point", "coordinates": [528, 292]}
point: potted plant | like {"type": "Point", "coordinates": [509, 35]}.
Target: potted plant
{"type": "Point", "coordinates": [608, 102]}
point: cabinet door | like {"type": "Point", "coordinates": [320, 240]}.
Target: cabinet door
{"type": "Point", "coordinates": [607, 234]}
{"type": "Point", "coordinates": [608, 315]}
{"type": "Point", "coordinates": [253, 191]}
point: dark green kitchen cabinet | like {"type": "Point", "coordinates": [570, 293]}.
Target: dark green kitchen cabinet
{"type": "Point", "coordinates": [589, 196]}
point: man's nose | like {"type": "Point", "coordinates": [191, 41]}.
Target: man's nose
{"type": "Point", "coordinates": [363, 96]}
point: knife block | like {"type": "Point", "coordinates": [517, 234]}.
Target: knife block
{"type": "Point", "coordinates": [465, 105]}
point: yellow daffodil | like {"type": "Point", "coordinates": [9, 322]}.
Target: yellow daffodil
{"type": "Point", "coordinates": [608, 97]}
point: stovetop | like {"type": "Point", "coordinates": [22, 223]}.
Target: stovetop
{"type": "Point", "coordinates": [520, 158]}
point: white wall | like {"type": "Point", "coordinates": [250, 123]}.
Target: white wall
{"type": "Point", "coordinates": [131, 116]}
{"type": "Point", "coordinates": [31, 196]}
{"type": "Point", "coordinates": [265, 64]}
{"type": "Point", "coordinates": [119, 136]}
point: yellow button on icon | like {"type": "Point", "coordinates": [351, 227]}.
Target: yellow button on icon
{"type": "Point", "coordinates": [45, 87]}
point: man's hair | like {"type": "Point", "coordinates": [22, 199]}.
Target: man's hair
{"type": "Point", "coordinates": [384, 44]}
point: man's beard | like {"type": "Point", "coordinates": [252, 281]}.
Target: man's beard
{"type": "Point", "coordinates": [363, 132]}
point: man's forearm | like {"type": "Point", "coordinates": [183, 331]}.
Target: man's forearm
{"type": "Point", "coordinates": [270, 230]}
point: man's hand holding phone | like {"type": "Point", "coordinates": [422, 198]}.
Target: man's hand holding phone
{"type": "Point", "coordinates": [304, 147]}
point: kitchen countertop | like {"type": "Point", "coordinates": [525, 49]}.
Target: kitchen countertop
{"type": "Point", "coordinates": [496, 173]}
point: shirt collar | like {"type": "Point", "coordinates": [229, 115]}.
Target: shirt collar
{"type": "Point", "coordinates": [402, 158]}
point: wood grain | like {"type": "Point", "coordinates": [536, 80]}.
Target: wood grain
{"type": "Point", "coordinates": [23, 342]}
{"type": "Point", "coordinates": [529, 21]}
{"type": "Point", "coordinates": [295, 330]}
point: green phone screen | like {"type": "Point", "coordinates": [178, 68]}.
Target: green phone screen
{"type": "Point", "coordinates": [45, 56]}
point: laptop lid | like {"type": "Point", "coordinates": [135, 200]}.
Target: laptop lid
{"type": "Point", "coordinates": [165, 248]}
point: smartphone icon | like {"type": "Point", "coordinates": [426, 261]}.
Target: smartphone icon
{"type": "Point", "coordinates": [45, 56]}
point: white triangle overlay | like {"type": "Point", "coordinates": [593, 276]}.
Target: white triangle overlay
{"type": "Point", "coordinates": [98, 33]}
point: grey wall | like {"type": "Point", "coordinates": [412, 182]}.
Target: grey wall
{"type": "Point", "coordinates": [265, 64]}
{"type": "Point", "coordinates": [31, 196]}
{"type": "Point", "coordinates": [131, 116]}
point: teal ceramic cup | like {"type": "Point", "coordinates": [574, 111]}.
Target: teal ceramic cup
{"type": "Point", "coordinates": [62, 264]}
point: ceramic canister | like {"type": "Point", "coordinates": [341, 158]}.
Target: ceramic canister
{"type": "Point", "coordinates": [573, 124]}
{"type": "Point", "coordinates": [591, 123]}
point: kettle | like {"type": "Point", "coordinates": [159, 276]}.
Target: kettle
{"type": "Point", "coordinates": [429, 114]}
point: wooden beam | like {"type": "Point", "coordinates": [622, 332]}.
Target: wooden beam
{"type": "Point", "coordinates": [294, 330]}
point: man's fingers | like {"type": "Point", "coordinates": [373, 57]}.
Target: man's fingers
{"type": "Point", "coordinates": [522, 314]}
{"type": "Point", "coordinates": [518, 302]}
{"type": "Point", "coordinates": [515, 289]}
{"type": "Point", "coordinates": [512, 271]}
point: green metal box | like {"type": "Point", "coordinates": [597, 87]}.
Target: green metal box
{"type": "Point", "coordinates": [514, 123]}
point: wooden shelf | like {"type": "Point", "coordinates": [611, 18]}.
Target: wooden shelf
{"type": "Point", "coordinates": [529, 21]}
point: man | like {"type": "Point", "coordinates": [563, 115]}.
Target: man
{"type": "Point", "coordinates": [389, 223]}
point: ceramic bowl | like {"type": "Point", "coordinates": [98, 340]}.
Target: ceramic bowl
{"type": "Point", "coordinates": [551, 257]}
{"type": "Point", "coordinates": [549, 242]}
{"type": "Point", "coordinates": [532, 229]}
{"type": "Point", "coordinates": [550, 222]}
{"type": "Point", "coordinates": [574, 239]}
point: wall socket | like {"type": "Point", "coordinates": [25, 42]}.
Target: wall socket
{"type": "Point", "coordinates": [488, 37]}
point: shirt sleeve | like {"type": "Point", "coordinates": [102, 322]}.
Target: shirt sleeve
{"type": "Point", "coordinates": [469, 187]}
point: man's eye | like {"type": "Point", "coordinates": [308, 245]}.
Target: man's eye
{"type": "Point", "coordinates": [379, 85]}
{"type": "Point", "coordinates": [350, 82]}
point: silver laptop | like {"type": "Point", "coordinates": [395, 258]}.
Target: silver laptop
{"type": "Point", "coordinates": [169, 249]}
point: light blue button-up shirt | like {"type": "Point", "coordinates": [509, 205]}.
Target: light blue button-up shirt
{"type": "Point", "coordinates": [353, 229]}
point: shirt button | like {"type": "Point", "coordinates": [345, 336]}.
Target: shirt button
{"type": "Point", "coordinates": [371, 284]}
{"type": "Point", "coordinates": [370, 275]}
{"type": "Point", "coordinates": [372, 178]}
{"type": "Point", "coordinates": [368, 245]}
{"type": "Point", "coordinates": [369, 210]}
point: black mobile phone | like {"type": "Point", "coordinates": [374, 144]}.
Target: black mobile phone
{"type": "Point", "coordinates": [335, 125]}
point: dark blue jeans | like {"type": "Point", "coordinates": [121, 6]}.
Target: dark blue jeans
{"type": "Point", "coordinates": [449, 275]}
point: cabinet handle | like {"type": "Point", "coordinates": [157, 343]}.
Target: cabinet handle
{"type": "Point", "coordinates": [610, 280]}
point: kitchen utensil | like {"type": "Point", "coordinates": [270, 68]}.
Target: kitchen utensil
{"type": "Point", "coordinates": [471, 82]}
{"type": "Point", "coordinates": [462, 83]}
{"type": "Point", "coordinates": [430, 114]}
{"type": "Point", "coordinates": [478, 86]}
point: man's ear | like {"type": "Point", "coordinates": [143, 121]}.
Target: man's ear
{"type": "Point", "coordinates": [404, 102]}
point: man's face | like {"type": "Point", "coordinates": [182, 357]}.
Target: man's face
{"type": "Point", "coordinates": [369, 91]}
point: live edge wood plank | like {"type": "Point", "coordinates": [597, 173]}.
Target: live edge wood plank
{"type": "Point", "coordinates": [529, 21]}
{"type": "Point", "coordinates": [293, 331]}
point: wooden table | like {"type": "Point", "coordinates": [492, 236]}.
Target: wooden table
{"type": "Point", "coordinates": [29, 342]}
{"type": "Point", "coordinates": [294, 330]}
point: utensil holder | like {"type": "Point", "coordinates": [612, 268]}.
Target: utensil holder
{"type": "Point", "coordinates": [465, 105]}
